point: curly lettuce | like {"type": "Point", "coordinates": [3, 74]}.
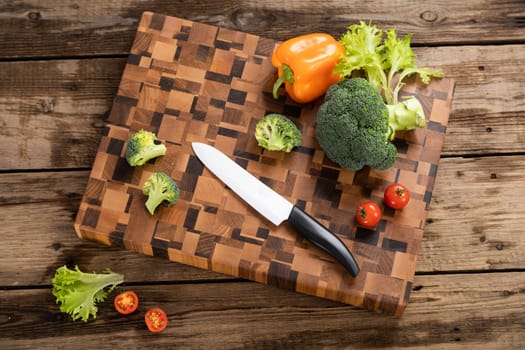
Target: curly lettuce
{"type": "Point", "coordinates": [78, 292]}
{"type": "Point", "coordinates": [386, 62]}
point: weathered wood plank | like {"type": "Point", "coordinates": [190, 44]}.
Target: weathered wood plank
{"type": "Point", "coordinates": [55, 28]}
{"type": "Point", "coordinates": [475, 223]}
{"type": "Point", "coordinates": [52, 112]}
{"type": "Point", "coordinates": [489, 103]}
{"type": "Point", "coordinates": [36, 223]}
{"type": "Point", "coordinates": [444, 313]}
{"type": "Point", "coordinates": [476, 218]}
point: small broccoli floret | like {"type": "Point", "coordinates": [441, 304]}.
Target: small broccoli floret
{"type": "Point", "coordinates": [142, 147]}
{"type": "Point", "coordinates": [354, 126]}
{"type": "Point", "coordinates": [160, 187]}
{"type": "Point", "coordinates": [275, 132]}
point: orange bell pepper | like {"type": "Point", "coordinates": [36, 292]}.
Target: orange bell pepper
{"type": "Point", "coordinates": [305, 64]}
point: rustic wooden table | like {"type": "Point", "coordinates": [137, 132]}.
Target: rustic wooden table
{"type": "Point", "coordinates": [60, 65]}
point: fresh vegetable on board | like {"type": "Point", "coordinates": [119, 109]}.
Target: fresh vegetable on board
{"type": "Point", "coordinates": [306, 64]}
{"type": "Point", "coordinates": [143, 146]}
{"type": "Point", "coordinates": [156, 319]}
{"type": "Point", "coordinates": [160, 187]}
{"type": "Point", "coordinates": [385, 64]}
{"type": "Point", "coordinates": [275, 132]}
{"type": "Point", "coordinates": [126, 302]}
{"type": "Point", "coordinates": [368, 214]}
{"type": "Point", "coordinates": [396, 196]}
{"type": "Point", "coordinates": [78, 292]}
{"type": "Point", "coordinates": [354, 126]}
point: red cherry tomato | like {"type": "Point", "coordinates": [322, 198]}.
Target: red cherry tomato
{"type": "Point", "coordinates": [368, 214]}
{"type": "Point", "coordinates": [156, 320]}
{"type": "Point", "coordinates": [396, 196]}
{"type": "Point", "coordinates": [126, 302]}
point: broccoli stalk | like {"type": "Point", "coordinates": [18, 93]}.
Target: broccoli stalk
{"type": "Point", "coordinates": [141, 147]}
{"type": "Point", "coordinates": [159, 187]}
{"type": "Point", "coordinates": [275, 132]}
{"type": "Point", "coordinates": [78, 292]}
{"type": "Point", "coordinates": [406, 115]}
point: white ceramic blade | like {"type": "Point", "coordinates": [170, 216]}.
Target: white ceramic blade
{"type": "Point", "coordinates": [262, 198]}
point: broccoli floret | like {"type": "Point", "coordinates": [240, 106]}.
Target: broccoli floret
{"type": "Point", "coordinates": [354, 125]}
{"type": "Point", "coordinates": [142, 147]}
{"type": "Point", "coordinates": [160, 187]}
{"type": "Point", "coordinates": [275, 132]}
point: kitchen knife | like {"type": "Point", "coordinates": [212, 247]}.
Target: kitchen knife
{"type": "Point", "coordinates": [272, 205]}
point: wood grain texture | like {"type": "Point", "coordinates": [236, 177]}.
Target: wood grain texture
{"type": "Point", "coordinates": [474, 224]}
{"type": "Point", "coordinates": [52, 113]}
{"type": "Point", "coordinates": [444, 316]}
{"type": "Point", "coordinates": [40, 99]}
{"type": "Point", "coordinates": [43, 206]}
{"type": "Point", "coordinates": [187, 81]}
{"type": "Point", "coordinates": [487, 119]}
{"type": "Point", "coordinates": [56, 28]}
{"type": "Point", "coordinates": [476, 205]}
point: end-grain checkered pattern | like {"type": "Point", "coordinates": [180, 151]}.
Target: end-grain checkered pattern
{"type": "Point", "coordinates": [188, 82]}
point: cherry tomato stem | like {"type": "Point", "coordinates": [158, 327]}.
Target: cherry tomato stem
{"type": "Point", "coordinates": [368, 214]}
{"type": "Point", "coordinates": [396, 196]}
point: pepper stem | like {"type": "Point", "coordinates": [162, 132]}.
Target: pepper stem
{"type": "Point", "coordinates": [286, 76]}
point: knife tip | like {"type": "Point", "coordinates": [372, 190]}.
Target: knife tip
{"type": "Point", "coordinates": [197, 145]}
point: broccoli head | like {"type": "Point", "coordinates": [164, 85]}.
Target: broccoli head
{"type": "Point", "coordinates": [142, 147]}
{"type": "Point", "coordinates": [160, 187]}
{"type": "Point", "coordinates": [275, 132]}
{"type": "Point", "coordinates": [354, 126]}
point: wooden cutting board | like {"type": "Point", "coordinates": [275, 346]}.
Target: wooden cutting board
{"type": "Point", "coordinates": [188, 82]}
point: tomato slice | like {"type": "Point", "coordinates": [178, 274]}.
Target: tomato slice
{"type": "Point", "coordinates": [368, 214]}
{"type": "Point", "coordinates": [156, 319]}
{"type": "Point", "coordinates": [126, 302]}
{"type": "Point", "coordinates": [396, 196]}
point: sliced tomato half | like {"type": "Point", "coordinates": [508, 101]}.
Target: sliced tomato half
{"type": "Point", "coordinates": [126, 302]}
{"type": "Point", "coordinates": [156, 319]}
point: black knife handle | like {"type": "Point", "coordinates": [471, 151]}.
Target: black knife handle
{"type": "Point", "coordinates": [321, 237]}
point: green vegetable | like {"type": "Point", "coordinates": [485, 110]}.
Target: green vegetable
{"type": "Point", "coordinates": [160, 187]}
{"type": "Point", "coordinates": [384, 62]}
{"type": "Point", "coordinates": [142, 147]}
{"type": "Point", "coordinates": [354, 125]}
{"type": "Point", "coordinates": [78, 292]}
{"type": "Point", "coordinates": [275, 132]}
